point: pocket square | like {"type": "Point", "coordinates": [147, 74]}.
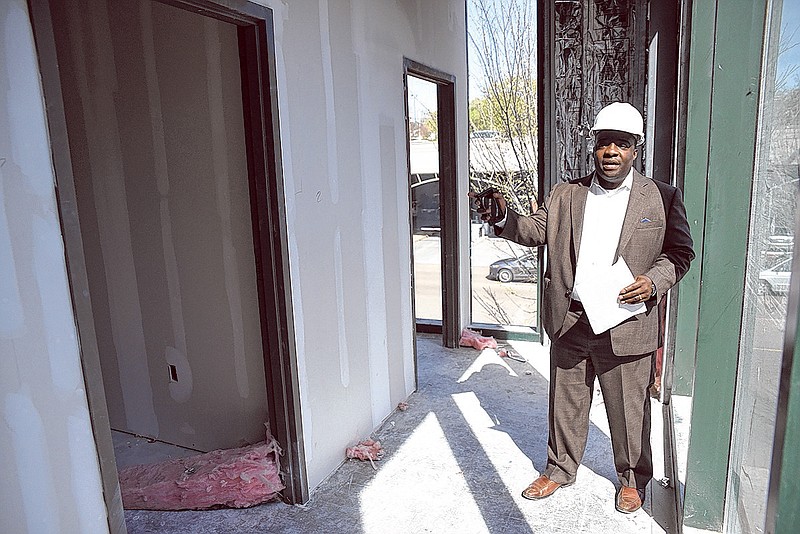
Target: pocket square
{"type": "Point", "coordinates": [645, 220]}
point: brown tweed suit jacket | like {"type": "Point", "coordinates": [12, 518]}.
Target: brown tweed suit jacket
{"type": "Point", "coordinates": [655, 241]}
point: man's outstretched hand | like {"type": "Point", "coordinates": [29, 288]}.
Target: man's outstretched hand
{"type": "Point", "coordinates": [490, 204]}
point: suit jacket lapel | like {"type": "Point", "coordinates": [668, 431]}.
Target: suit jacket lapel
{"type": "Point", "coordinates": [636, 208]}
{"type": "Point", "coordinates": [577, 207]}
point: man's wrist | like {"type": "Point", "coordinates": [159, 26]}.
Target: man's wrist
{"type": "Point", "coordinates": [502, 222]}
{"type": "Point", "coordinates": [654, 291]}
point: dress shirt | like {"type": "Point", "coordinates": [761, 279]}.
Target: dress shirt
{"type": "Point", "coordinates": [602, 225]}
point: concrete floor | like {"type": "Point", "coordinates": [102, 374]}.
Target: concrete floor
{"type": "Point", "coordinates": [456, 461]}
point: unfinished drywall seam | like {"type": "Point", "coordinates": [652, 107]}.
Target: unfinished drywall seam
{"type": "Point", "coordinates": [45, 242]}
{"type": "Point", "coordinates": [341, 315]}
{"type": "Point", "coordinates": [105, 155]}
{"type": "Point", "coordinates": [21, 71]}
{"type": "Point", "coordinates": [300, 344]}
{"type": "Point", "coordinates": [292, 183]}
{"type": "Point", "coordinates": [397, 231]}
{"type": "Point", "coordinates": [12, 320]}
{"type": "Point", "coordinates": [330, 102]}
{"type": "Point", "coordinates": [83, 456]}
{"type": "Point", "coordinates": [374, 268]}
{"type": "Point", "coordinates": [403, 228]}
{"type": "Point", "coordinates": [219, 159]}
{"type": "Point", "coordinates": [52, 283]}
{"type": "Point", "coordinates": [32, 460]}
{"type": "Point", "coordinates": [180, 391]}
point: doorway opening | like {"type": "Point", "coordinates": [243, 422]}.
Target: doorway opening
{"type": "Point", "coordinates": [165, 146]}
{"type": "Point", "coordinates": [430, 113]}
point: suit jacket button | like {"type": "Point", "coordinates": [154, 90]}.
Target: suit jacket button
{"type": "Point", "coordinates": [568, 294]}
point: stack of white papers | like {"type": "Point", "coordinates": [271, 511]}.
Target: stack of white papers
{"type": "Point", "coordinates": [599, 298]}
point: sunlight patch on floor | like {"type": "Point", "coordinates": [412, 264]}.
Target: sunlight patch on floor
{"type": "Point", "coordinates": [486, 357]}
{"type": "Point", "coordinates": [421, 484]}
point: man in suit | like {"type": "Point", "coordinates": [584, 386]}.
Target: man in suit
{"type": "Point", "coordinates": [587, 225]}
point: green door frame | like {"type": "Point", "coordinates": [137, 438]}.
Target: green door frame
{"type": "Point", "coordinates": [723, 95]}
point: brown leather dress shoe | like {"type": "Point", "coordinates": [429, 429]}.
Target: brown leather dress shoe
{"type": "Point", "coordinates": [628, 500]}
{"type": "Point", "coordinates": [541, 487]}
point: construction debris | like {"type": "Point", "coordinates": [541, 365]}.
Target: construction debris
{"type": "Point", "coordinates": [234, 478]}
{"type": "Point", "coordinates": [367, 450]}
{"type": "Point", "coordinates": [471, 338]}
{"type": "Point", "coordinates": [511, 355]}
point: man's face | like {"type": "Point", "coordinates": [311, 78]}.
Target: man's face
{"type": "Point", "coordinates": [614, 153]}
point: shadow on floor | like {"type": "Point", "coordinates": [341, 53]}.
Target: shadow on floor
{"type": "Point", "coordinates": [457, 460]}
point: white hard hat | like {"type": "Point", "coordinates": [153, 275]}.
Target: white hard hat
{"type": "Point", "coordinates": [622, 117]}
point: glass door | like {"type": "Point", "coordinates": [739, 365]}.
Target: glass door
{"type": "Point", "coordinates": [503, 154]}
{"type": "Point", "coordinates": [769, 268]}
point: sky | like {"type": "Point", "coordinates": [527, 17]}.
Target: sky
{"type": "Point", "coordinates": [790, 22]}
{"type": "Point", "coordinates": [421, 98]}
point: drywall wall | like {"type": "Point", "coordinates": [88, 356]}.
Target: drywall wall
{"type": "Point", "coordinates": [50, 471]}
{"type": "Point", "coordinates": [343, 135]}
{"type": "Point", "coordinates": [154, 112]}
{"type": "Point", "coordinates": [341, 105]}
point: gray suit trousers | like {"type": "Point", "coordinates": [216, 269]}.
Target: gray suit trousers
{"type": "Point", "coordinates": [576, 358]}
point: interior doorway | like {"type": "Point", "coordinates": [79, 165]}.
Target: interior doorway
{"type": "Point", "coordinates": [430, 113]}
{"type": "Point", "coordinates": [163, 199]}
{"type": "Point", "coordinates": [165, 145]}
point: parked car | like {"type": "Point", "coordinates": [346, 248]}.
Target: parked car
{"type": "Point", "coordinates": [485, 134]}
{"type": "Point", "coordinates": [522, 269]}
{"type": "Point", "coordinates": [776, 279]}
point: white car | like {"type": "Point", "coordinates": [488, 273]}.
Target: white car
{"type": "Point", "coordinates": [776, 279]}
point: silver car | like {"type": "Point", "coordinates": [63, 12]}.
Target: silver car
{"type": "Point", "coordinates": [522, 269]}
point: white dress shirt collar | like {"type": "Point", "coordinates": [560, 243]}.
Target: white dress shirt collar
{"type": "Point", "coordinates": [598, 189]}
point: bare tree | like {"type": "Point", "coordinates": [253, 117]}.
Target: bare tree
{"type": "Point", "coordinates": [782, 136]}
{"type": "Point", "coordinates": [788, 41]}
{"type": "Point", "coordinates": [502, 35]}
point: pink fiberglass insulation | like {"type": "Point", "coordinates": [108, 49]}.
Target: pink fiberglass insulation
{"type": "Point", "coordinates": [365, 450]}
{"type": "Point", "coordinates": [471, 338]}
{"type": "Point", "coordinates": [234, 478]}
